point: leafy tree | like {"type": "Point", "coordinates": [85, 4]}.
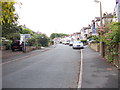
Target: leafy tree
{"type": "Point", "coordinates": [26, 31]}
{"type": "Point", "coordinates": [8, 19]}
{"type": "Point", "coordinates": [38, 40]}
{"type": "Point", "coordinates": [8, 30]}
{"type": "Point", "coordinates": [62, 34]}
{"type": "Point", "coordinates": [43, 39]}
{"type": "Point", "coordinates": [32, 41]}
{"type": "Point", "coordinates": [14, 36]}
{"type": "Point", "coordinates": [8, 15]}
{"type": "Point", "coordinates": [54, 35]}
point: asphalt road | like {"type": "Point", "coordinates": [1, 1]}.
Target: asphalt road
{"type": "Point", "coordinates": [55, 68]}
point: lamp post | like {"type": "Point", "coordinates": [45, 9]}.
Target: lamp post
{"type": "Point", "coordinates": [101, 26]}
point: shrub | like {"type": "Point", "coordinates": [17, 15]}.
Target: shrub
{"type": "Point", "coordinates": [89, 37]}
{"type": "Point", "coordinates": [112, 39]}
{"type": "Point", "coordinates": [94, 38]}
{"type": "Point", "coordinates": [84, 41]}
{"type": "Point", "coordinates": [7, 44]}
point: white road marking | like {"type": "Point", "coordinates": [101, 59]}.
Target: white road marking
{"type": "Point", "coordinates": [81, 71]}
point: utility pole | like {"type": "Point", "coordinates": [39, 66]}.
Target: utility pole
{"type": "Point", "coordinates": [118, 11]}
{"type": "Point", "coordinates": [101, 26]}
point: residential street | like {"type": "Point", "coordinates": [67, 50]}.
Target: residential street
{"type": "Point", "coordinates": [59, 67]}
{"type": "Point", "coordinates": [63, 44]}
{"type": "Point", "coordinates": [55, 68]}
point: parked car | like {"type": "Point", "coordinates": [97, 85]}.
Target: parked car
{"type": "Point", "coordinates": [66, 43]}
{"type": "Point", "coordinates": [16, 45]}
{"type": "Point", "coordinates": [78, 45]}
{"type": "Point", "coordinates": [71, 43]}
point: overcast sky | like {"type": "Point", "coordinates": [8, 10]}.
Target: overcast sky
{"type": "Point", "coordinates": [61, 16]}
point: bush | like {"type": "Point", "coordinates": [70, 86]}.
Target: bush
{"type": "Point", "coordinates": [31, 41]}
{"type": "Point", "coordinates": [38, 40]}
{"type": "Point", "coordinates": [7, 44]}
{"type": "Point", "coordinates": [112, 39]}
{"type": "Point", "coordinates": [84, 41]}
{"type": "Point", "coordinates": [94, 38]}
{"type": "Point", "coordinates": [89, 37]}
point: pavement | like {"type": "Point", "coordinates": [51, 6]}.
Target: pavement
{"type": "Point", "coordinates": [9, 55]}
{"type": "Point", "coordinates": [97, 72]}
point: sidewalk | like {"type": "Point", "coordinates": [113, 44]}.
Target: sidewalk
{"type": "Point", "coordinates": [97, 73]}
{"type": "Point", "coordinates": [9, 55]}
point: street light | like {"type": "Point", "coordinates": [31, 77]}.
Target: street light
{"type": "Point", "coordinates": [96, 1]}
{"type": "Point", "coordinates": [101, 43]}
{"type": "Point", "coordinates": [100, 11]}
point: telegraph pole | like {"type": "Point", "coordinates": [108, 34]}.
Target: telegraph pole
{"type": "Point", "coordinates": [101, 26]}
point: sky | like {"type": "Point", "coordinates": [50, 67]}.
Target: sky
{"type": "Point", "coordinates": [60, 16]}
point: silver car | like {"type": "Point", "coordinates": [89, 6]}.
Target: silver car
{"type": "Point", "coordinates": [78, 45]}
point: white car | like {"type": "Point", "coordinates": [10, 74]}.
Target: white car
{"type": "Point", "coordinates": [71, 43]}
{"type": "Point", "coordinates": [66, 43]}
{"type": "Point", "coordinates": [78, 45]}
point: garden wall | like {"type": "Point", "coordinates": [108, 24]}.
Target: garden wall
{"type": "Point", "coordinates": [2, 48]}
{"type": "Point", "coordinates": [94, 46]}
{"type": "Point", "coordinates": [30, 48]}
{"type": "Point", "coordinates": [119, 56]}
{"type": "Point", "coordinates": [116, 58]}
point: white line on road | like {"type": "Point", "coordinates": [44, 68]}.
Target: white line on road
{"type": "Point", "coordinates": [81, 70]}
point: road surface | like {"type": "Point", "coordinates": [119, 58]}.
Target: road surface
{"type": "Point", "coordinates": [55, 68]}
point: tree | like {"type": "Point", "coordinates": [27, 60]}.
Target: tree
{"type": "Point", "coordinates": [38, 40]}
{"type": "Point", "coordinates": [43, 39]}
{"type": "Point", "coordinates": [9, 18]}
{"type": "Point", "coordinates": [8, 15]}
{"type": "Point", "coordinates": [8, 30]}
{"type": "Point", "coordinates": [26, 31]}
{"type": "Point", "coordinates": [54, 35]}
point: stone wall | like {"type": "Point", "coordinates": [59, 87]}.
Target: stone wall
{"type": "Point", "coordinates": [94, 46]}
{"type": "Point", "coordinates": [119, 57]}
{"type": "Point", "coordinates": [116, 58]}
{"type": "Point", "coordinates": [30, 48]}
{"type": "Point", "coordinates": [2, 48]}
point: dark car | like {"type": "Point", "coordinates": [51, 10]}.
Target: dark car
{"type": "Point", "coordinates": [16, 45]}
